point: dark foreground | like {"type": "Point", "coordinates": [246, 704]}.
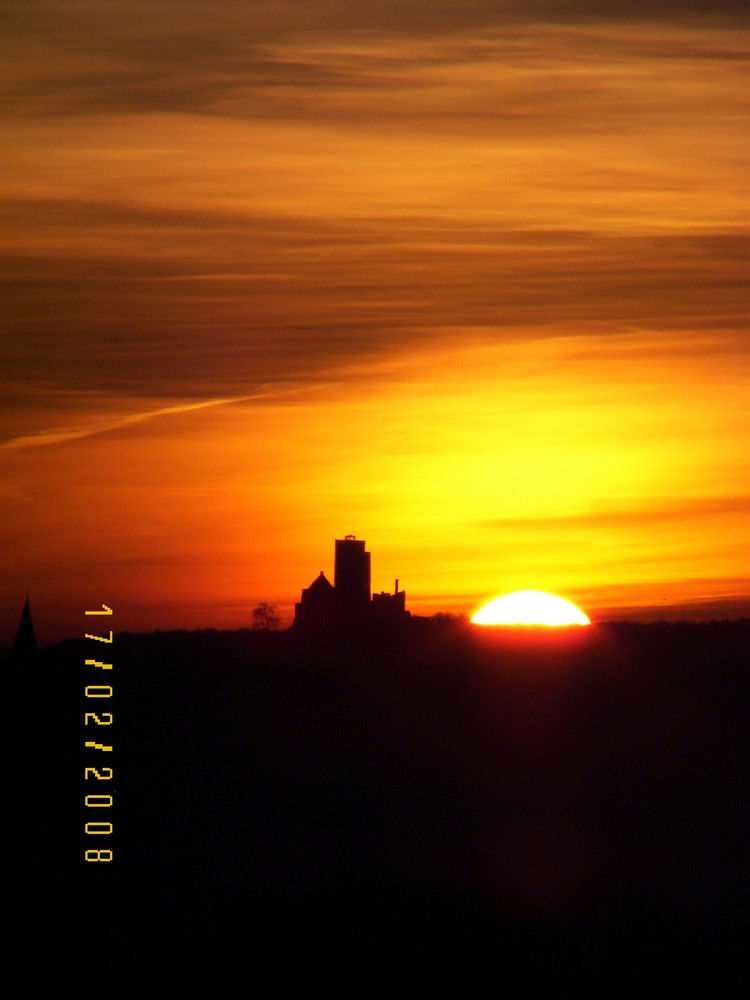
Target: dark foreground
{"type": "Point", "coordinates": [444, 813]}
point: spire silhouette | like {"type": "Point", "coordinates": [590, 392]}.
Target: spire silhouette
{"type": "Point", "coordinates": [24, 644]}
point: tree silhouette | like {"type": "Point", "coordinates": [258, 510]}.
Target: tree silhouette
{"type": "Point", "coordinates": [449, 618]}
{"type": "Point", "coordinates": [265, 618]}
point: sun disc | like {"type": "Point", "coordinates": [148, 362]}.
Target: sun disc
{"type": "Point", "coordinates": [530, 607]}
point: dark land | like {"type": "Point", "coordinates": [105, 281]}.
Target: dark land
{"type": "Point", "coordinates": [437, 810]}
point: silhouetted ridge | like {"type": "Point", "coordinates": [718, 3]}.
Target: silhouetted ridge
{"type": "Point", "coordinates": [441, 806]}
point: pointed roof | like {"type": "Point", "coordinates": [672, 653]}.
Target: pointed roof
{"type": "Point", "coordinates": [320, 585]}
{"type": "Point", "coordinates": [24, 643]}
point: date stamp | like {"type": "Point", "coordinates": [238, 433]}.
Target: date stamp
{"type": "Point", "coordinates": [98, 824]}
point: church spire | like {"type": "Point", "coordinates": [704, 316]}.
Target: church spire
{"type": "Point", "coordinates": [24, 644]}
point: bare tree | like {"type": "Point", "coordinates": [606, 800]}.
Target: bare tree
{"type": "Point", "coordinates": [265, 618]}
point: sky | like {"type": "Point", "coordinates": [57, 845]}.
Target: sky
{"type": "Point", "coordinates": [468, 280]}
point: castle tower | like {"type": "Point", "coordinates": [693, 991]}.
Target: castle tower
{"type": "Point", "coordinates": [351, 574]}
{"type": "Point", "coordinates": [349, 602]}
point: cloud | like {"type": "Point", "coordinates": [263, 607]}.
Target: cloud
{"type": "Point", "coordinates": [261, 301]}
{"type": "Point", "coordinates": [328, 59]}
{"type": "Point", "coordinates": [254, 194]}
{"type": "Point", "coordinates": [652, 513]}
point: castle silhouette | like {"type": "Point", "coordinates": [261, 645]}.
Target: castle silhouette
{"type": "Point", "coordinates": [323, 606]}
{"type": "Point", "coordinates": [348, 601]}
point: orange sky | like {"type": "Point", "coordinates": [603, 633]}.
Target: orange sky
{"type": "Point", "coordinates": [473, 288]}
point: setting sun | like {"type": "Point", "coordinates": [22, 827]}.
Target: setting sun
{"type": "Point", "coordinates": [530, 607]}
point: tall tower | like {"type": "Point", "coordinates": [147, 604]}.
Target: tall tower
{"type": "Point", "coordinates": [351, 573]}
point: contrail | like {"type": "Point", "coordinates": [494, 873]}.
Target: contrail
{"type": "Point", "coordinates": [75, 433]}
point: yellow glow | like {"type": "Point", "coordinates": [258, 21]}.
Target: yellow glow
{"type": "Point", "coordinates": [530, 607]}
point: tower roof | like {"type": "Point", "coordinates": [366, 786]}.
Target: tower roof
{"type": "Point", "coordinates": [320, 585]}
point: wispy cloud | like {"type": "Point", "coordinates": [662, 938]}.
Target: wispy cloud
{"type": "Point", "coordinates": [472, 63]}
{"type": "Point", "coordinates": [64, 434]}
{"type": "Point", "coordinates": [638, 513]}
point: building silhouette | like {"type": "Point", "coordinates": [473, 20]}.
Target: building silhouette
{"type": "Point", "coordinates": [351, 573]}
{"type": "Point", "coordinates": [348, 601]}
